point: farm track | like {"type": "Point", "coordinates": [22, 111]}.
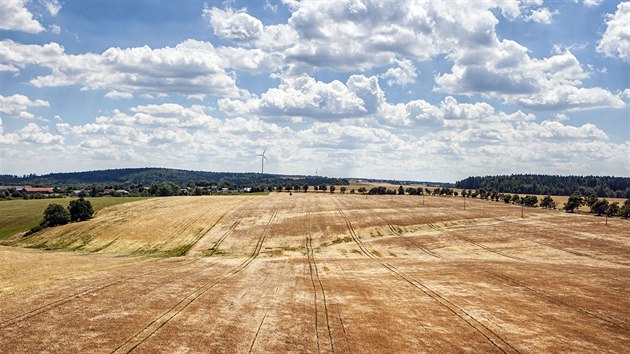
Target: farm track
{"type": "Point", "coordinates": [314, 275]}
{"type": "Point", "coordinates": [156, 324]}
{"type": "Point", "coordinates": [496, 340]}
{"type": "Point", "coordinates": [55, 304]}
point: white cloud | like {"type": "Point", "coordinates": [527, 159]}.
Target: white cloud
{"type": "Point", "coordinates": [192, 68]}
{"type": "Point", "coordinates": [403, 74]}
{"type": "Point", "coordinates": [234, 25]}
{"type": "Point", "coordinates": [14, 16]}
{"type": "Point", "coordinates": [31, 134]}
{"type": "Point", "coordinates": [54, 29]}
{"type": "Point", "coordinates": [592, 3]}
{"type": "Point", "coordinates": [117, 95]}
{"type": "Point", "coordinates": [542, 15]}
{"type": "Point", "coordinates": [52, 6]}
{"type": "Point", "coordinates": [270, 7]}
{"type": "Point", "coordinates": [17, 106]}
{"type": "Point", "coordinates": [506, 71]}
{"type": "Point", "coordinates": [616, 40]}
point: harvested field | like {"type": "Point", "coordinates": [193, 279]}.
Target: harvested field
{"type": "Point", "coordinates": [315, 272]}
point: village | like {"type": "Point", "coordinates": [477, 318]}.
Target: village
{"type": "Point", "coordinates": [168, 189]}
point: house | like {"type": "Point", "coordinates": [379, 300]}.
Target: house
{"type": "Point", "coordinates": [17, 188]}
{"type": "Point", "coordinates": [121, 191]}
{"type": "Point", "coordinates": [41, 190]}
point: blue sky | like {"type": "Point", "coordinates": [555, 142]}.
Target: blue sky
{"type": "Point", "coordinates": [421, 90]}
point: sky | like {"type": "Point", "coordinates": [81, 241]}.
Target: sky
{"type": "Point", "coordinates": [412, 90]}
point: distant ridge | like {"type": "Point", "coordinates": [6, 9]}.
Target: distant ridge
{"type": "Point", "coordinates": [601, 186]}
{"type": "Point", "coordinates": [155, 175]}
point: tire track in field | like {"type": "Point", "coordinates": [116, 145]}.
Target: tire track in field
{"type": "Point", "coordinates": [482, 329]}
{"type": "Point", "coordinates": [156, 324]}
{"type": "Point", "coordinates": [216, 245]}
{"type": "Point", "coordinates": [57, 303]}
{"type": "Point", "coordinates": [610, 320]}
{"type": "Point", "coordinates": [506, 279]}
{"type": "Point", "coordinates": [314, 272]}
{"type": "Point", "coordinates": [480, 245]}
{"type": "Point", "coordinates": [202, 234]}
{"type": "Point", "coordinates": [408, 239]}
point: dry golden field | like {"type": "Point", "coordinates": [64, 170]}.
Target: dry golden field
{"type": "Point", "coordinates": [315, 272]}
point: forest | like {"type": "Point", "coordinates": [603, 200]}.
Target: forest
{"type": "Point", "coordinates": [600, 186]}
{"type": "Point", "coordinates": [153, 176]}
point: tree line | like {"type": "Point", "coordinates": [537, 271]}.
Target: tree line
{"type": "Point", "coordinates": [600, 186]}
{"type": "Point", "coordinates": [156, 176]}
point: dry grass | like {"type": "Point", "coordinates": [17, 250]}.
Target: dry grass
{"type": "Point", "coordinates": [321, 273]}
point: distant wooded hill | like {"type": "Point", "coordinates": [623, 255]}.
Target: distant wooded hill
{"type": "Point", "coordinates": [601, 186]}
{"type": "Point", "coordinates": [151, 176]}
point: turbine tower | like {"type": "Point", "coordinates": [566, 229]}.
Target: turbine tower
{"type": "Point", "coordinates": [262, 161]}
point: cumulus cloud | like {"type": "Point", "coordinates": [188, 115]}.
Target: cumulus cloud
{"type": "Point", "coordinates": [32, 134]}
{"type": "Point", "coordinates": [14, 16]}
{"type": "Point", "coordinates": [542, 15]}
{"type": "Point", "coordinates": [234, 25]}
{"type": "Point", "coordinates": [616, 40]}
{"type": "Point", "coordinates": [52, 6]}
{"type": "Point", "coordinates": [17, 106]}
{"type": "Point", "coordinates": [403, 74]}
{"type": "Point", "coordinates": [192, 68]}
{"type": "Point", "coordinates": [506, 71]}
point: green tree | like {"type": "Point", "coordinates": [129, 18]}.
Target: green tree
{"type": "Point", "coordinates": [343, 189]}
{"type": "Point", "coordinates": [55, 214]}
{"type": "Point", "coordinates": [401, 190]}
{"type": "Point", "coordinates": [625, 209]}
{"type": "Point", "coordinates": [332, 189]}
{"type": "Point", "coordinates": [574, 202]}
{"type": "Point", "coordinates": [613, 209]}
{"type": "Point", "coordinates": [305, 188]}
{"type": "Point", "coordinates": [548, 203]}
{"type": "Point", "coordinates": [323, 187]}
{"type": "Point", "coordinates": [590, 201]}
{"type": "Point", "coordinates": [80, 210]}
{"type": "Point", "coordinates": [600, 207]}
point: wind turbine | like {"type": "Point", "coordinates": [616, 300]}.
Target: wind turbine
{"type": "Point", "coordinates": [262, 161]}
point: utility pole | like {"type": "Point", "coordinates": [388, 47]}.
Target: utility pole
{"type": "Point", "coordinates": [464, 203]}
{"type": "Point", "coordinates": [522, 207]}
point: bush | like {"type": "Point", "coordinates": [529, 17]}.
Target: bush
{"type": "Point", "coordinates": [55, 214]}
{"type": "Point", "coordinates": [80, 210]}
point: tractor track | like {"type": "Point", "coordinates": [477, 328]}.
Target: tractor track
{"type": "Point", "coordinates": [409, 239]}
{"type": "Point", "coordinates": [610, 320]}
{"type": "Point", "coordinates": [216, 245]}
{"type": "Point", "coordinates": [156, 324]}
{"type": "Point", "coordinates": [202, 234]}
{"type": "Point", "coordinates": [480, 245]}
{"type": "Point", "coordinates": [55, 304]}
{"type": "Point", "coordinates": [496, 340]}
{"type": "Point", "coordinates": [314, 274]}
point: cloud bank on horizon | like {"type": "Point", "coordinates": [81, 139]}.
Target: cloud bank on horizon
{"type": "Point", "coordinates": [420, 90]}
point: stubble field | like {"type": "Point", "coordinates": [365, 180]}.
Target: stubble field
{"type": "Point", "coordinates": [319, 273]}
